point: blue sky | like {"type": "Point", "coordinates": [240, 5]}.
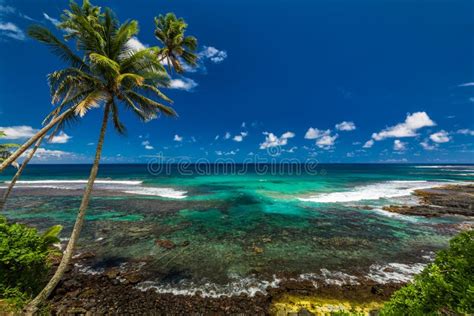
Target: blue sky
{"type": "Point", "coordinates": [336, 81]}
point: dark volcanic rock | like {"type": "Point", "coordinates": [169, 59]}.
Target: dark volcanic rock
{"type": "Point", "coordinates": [446, 200]}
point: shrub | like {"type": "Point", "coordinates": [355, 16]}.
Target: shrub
{"type": "Point", "coordinates": [24, 260]}
{"type": "Point", "coordinates": [446, 286]}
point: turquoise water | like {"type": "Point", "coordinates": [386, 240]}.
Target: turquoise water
{"type": "Point", "coordinates": [239, 232]}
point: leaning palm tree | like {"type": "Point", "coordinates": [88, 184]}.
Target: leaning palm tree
{"type": "Point", "coordinates": [114, 74]}
{"type": "Point", "coordinates": [21, 168]}
{"type": "Point", "coordinates": [91, 13]}
{"type": "Point", "coordinates": [177, 47]}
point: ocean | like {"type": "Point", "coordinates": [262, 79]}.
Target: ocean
{"type": "Point", "coordinates": [243, 228]}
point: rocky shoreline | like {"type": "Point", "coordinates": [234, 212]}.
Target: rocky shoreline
{"type": "Point", "coordinates": [440, 201]}
{"type": "Point", "coordinates": [115, 292]}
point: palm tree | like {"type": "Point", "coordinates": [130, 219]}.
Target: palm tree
{"type": "Point", "coordinates": [113, 73]}
{"type": "Point", "coordinates": [91, 13]}
{"type": "Point", "coordinates": [20, 170]}
{"type": "Point", "coordinates": [177, 47]}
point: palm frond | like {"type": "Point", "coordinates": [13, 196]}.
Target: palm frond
{"type": "Point", "coordinates": [43, 35]}
{"type": "Point", "coordinates": [91, 101]}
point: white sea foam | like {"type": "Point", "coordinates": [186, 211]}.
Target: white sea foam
{"type": "Point", "coordinates": [249, 286]}
{"type": "Point", "coordinates": [394, 272]}
{"type": "Point", "coordinates": [163, 192]}
{"type": "Point", "coordinates": [135, 187]}
{"type": "Point", "coordinates": [382, 190]}
{"type": "Point", "coordinates": [396, 215]}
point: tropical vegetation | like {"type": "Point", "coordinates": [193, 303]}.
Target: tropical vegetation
{"type": "Point", "coordinates": [24, 260]}
{"type": "Point", "coordinates": [106, 72]}
{"type": "Point", "coordinates": [446, 286]}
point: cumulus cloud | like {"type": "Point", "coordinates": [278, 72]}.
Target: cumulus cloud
{"type": "Point", "coordinates": [135, 45]}
{"type": "Point", "coordinates": [271, 140]}
{"type": "Point", "coordinates": [147, 145]}
{"type": "Point", "coordinates": [61, 138]}
{"type": "Point", "coordinates": [440, 137]}
{"type": "Point", "coordinates": [185, 84]}
{"type": "Point", "coordinates": [44, 154]}
{"type": "Point", "coordinates": [18, 132]}
{"type": "Point", "coordinates": [399, 145]}
{"type": "Point", "coordinates": [368, 144]}
{"type": "Point", "coordinates": [227, 135]}
{"type": "Point", "coordinates": [345, 126]}
{"type": "Point", "coordinates": [323, 138]}
{"type": "Point", "coordinates": [178, 138]}
{"type": "Point", "coordinates": [409, 128]}
{"type": "Point", "coordinates": [213, 54]}
{"type": "Point", "coordinates": [240, 137]}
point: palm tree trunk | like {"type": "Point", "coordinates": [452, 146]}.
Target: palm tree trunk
{"type": "Point", "coordinates": [19, 172]}
{"type": "Point", "coordinates": [32, 307]}
{"type": "Point", "coordinates": [14, 156]}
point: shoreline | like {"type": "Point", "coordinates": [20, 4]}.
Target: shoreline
{"type": "Point", "coordinates": [116, 291]}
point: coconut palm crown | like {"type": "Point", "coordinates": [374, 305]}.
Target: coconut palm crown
{"type": "Point", "coordinates": [111, 71]}
{"type": "Point", "coordinates": [177, 47]}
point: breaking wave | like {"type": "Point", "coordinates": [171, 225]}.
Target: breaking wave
{"type": "Point", "coordinates": [135, 187]}
{"type": "Point", "coordinates": [376, 191]}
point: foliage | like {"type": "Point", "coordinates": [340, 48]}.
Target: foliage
{"type": "Point", "coordinates": [104, 68]}
{"type": "Point", "coordinates": [444, 287]}
{"type": "Point", "coordinates": [24, 260]}
{"type": "Point", "coordinates": [177, 48]}
{"type": "Point", "coordinates": [5, 148]}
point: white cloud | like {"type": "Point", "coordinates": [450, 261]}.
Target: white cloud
{"type": "Point", "coordinates": [313, 133]}
{"type": "Point", "coordinates": [217, 137]}
{"type": "Point", "coordinates": [440, 137]}
{"type": "Point", "coordinates": [51, 19]}
{"type": "Point", "coordinates": [239, 138]}
{"type": "Point", "coordinates": [399, 145]}
{"type": "Point", "coordinates": [409, 128]}
{"type": "Point", "coordinates": [467, 84]}
{"type": "Point", "coordinates": [47, 154]}
{"type": "Point", "coordinates": [9, 29]}
{"type": "Point", "coordinates": [227, 135]}
{"type": "Point", "coordinates": [369, 144]}
{"type": "Point", "coordinates": [18, 132]}
{"type": "Point", "coordinates": [466, 131]}
{"type": "Point", "coordinates": [324, 139]}
{"type": "Point", "coordinates": [185, 84]}
{"type": "Point", "coordinates": [213, 54]}
{"type": "Point", "coordinates": [271, 140]}
{"type": "Point", "coordinates": [135, 45]}
{"type": "Point", "coordinates": [178, 138]}
{"type": "Point", "coordinates": [229, 153]}
{"type": "Point", "coordinates": [345, 126]}
{"type": "Point", "coordinates": [243, 125]}
{"type": "Point", "coordinates": [147, 145]}
{"type": "Point", "coordinates": [427, 146]}
{"type": "Point", "coordinates": [61, 138]}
